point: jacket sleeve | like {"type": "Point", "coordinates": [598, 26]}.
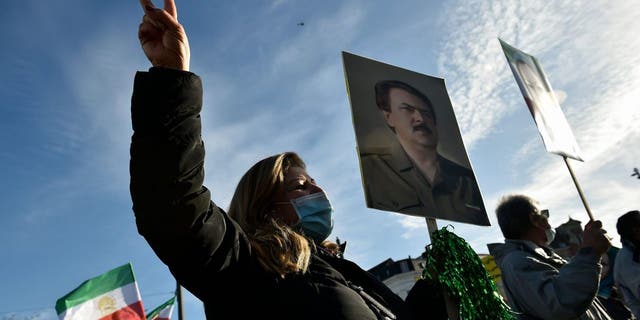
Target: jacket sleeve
{"type": "Point", "coordinates": [539, 289]}
{"type": "Point", "coordinates": [173, 209]}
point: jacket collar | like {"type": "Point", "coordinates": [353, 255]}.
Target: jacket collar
{"type": "Point", "coordinates": [542, 251]}
{"type": "Point", "coordinates": [399, 158]}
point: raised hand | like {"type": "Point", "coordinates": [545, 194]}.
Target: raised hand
{"type": "Point", "coordinates": [162, 37]}
{"type": "Point", "coordinates": [595, 237]}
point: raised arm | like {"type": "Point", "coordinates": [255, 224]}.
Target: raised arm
{"type": "Point", "coordinates": [173, 209]}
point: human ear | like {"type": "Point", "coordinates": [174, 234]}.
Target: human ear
{"type": "Point", "coordinates": [386, 115]}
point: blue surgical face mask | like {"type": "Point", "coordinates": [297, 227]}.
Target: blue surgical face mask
{"type": "Point", "coordinates": [314, 213]}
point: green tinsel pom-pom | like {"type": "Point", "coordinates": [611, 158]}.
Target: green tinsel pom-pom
{"type": "Point", "coordinates": [452, 263]}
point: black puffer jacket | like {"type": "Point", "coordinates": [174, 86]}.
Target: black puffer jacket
{"type": "Point", "coordinates": [206, 250]}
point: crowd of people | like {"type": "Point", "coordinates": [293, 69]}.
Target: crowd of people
{"type": "Point", "coordinates": [268, 250]}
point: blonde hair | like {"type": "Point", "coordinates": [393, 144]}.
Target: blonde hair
{"type": "Point", "coordinates": [278, 247]}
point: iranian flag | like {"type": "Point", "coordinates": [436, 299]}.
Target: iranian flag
{"type": "Point", "coordinates": [110, 296]}
{"type": "Point", "coordinates": [163, 312]}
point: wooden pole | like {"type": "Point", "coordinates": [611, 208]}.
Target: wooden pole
{"type": "Point", "coordinates": [452, 308]}
{"type": "Point", "coordinates": [179, 298]}
{"type": "Point", "coordinates": [584, 200]}
{"type": "Point", "coordinates": [432, 225]}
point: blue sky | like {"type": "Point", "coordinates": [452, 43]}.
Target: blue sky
{"type": "Point", "coordinates": [272, 86]}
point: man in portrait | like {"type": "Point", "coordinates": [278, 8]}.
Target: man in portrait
{"type": "Point", "coordinates": [409, 175]}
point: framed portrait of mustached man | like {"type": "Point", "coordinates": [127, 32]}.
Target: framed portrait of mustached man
{"type": "Point", "coordinates": [412, 157]}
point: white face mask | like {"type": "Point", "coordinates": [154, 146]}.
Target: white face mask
{"type": "Point", "coordinates": [551, 234]}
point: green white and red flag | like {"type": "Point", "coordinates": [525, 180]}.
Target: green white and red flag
{"type": "Point", "coordinates": [163, 312]}
{"type": "Point", "coordinates": [110, 296]}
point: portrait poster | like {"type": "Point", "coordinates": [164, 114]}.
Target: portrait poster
{"type": "Point", "coordinates": [411, 154]}
{"type": "Point", "coordinates": [542, 103]}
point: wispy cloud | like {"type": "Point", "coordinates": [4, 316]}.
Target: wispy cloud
{"type": "Point", "coordinates": [276, 4]}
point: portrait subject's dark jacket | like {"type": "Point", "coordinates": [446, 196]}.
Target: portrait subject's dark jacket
{"type": "Point", "coordinates": [393, 183]}
{"type": "Point", "coordinates": [204, 248]}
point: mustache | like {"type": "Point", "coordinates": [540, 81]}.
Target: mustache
{"type": "Point", "coordinates": [422, 127]}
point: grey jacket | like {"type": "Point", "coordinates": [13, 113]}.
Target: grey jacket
{"type": "Point", "coordinates": [542, 285]}
{"type": "Point", "coordinates": [626, 273]}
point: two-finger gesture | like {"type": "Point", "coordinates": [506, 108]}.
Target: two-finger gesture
{"type": "Point", "coordinates": [162, 37]}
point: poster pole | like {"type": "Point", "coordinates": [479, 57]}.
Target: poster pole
{"type": "Point", "coordinates": [179, 298]}
{"type": "Point", "coordinates": [432, 225]}
{"type": "Point", "coordinates": [452, 308]}
{"type": "Point", "coordinates": [584, 201]}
